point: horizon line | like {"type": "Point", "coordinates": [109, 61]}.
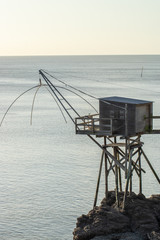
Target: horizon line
{"type": "Point", "coordinates": [72, 55]}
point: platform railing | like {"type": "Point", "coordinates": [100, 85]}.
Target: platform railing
{"type": "Point", "coordinates": [92, 124]}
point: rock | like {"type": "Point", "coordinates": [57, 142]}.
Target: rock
{"type": "Point", "coordinates": [120, 236]}
{"type": "Point", "coordinates": [140, 220]}
{"type": "Point", "coordinates": [100, 221]}
{"type": "Point", "coordinates": [142, 215]}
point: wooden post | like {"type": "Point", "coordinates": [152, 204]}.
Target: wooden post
{"type": "Point", "coordinates": [128, 177]}
{"type": "Point", "coordinates": [140, 172]}
{"type": "Point", "coordinates": [98, 181]}
{"type": "Point", "coordinates": [106, 171]}
{"type": "Point", "coordinates": [120, 180]}
{"type": "Point", "coordinates": [119, 174]}
{"type": "Point", "coordinates": [126, 156]}
{"type": "Point", "coordinates": [116, 175]}
{"type": "Point", "coordinates": [147, 160]}
{"type": "Point", "coordinates": [126, 135]}
{"type": "Point", "coordinates": [126, 121]}
{"type": "Point", "coordinates": [130, 189]}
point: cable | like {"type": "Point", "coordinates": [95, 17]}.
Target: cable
{"type": "Point", "coordinates": [67, 85]}
{"type": "Point", "coordinates": [120, 85]}
{"type": "Point", "coordinates": [15, 101]}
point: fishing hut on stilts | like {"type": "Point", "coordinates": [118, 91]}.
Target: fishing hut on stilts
{"type": "Point", "coordinates": [118, 125]}
{"type": "Point", "coordinates": [120, 122]}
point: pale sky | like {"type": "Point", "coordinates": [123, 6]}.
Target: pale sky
{"type": "Point", "coordinates": [79, 27]}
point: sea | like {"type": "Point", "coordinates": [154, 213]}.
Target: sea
{"type": "Point", "coordinates": [48, 174]}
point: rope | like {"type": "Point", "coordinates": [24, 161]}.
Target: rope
{"type": "Point", "coordinates": [15, 101]}
{"type": "Point", "coordinates": [89, 95]}
{"type": "Point", "coordinates": [57, 104]}
{"type": "Point", "coordinates": [120, 85]}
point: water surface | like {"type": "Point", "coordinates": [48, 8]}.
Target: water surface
{"type": "Point", "coordinates": [48, 174]}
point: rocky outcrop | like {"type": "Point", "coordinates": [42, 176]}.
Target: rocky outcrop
{"type": "Point", "coordinates": [140, 219]}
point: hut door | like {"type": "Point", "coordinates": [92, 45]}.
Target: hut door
{"type": "Point", "coordinates": [142, 122]}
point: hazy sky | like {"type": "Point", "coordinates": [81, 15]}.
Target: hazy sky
{"type": "Point", "coordinates": [79, 27]}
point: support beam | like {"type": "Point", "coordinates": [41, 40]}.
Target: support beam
{"type": "Point", "coordinates": [128, 177]}
{"type": "Point", "coordinates": [140, 172]}
{"type": "Point", "coordinates": [126, 156]}
{"type": "Point", "coordinates": [111, 166]}
{"type": "Point", "coordinates": [120, 179]}
{"type": "Point", "coordinates": [116, 175]}
{"type": "Point", "coordinates": [106, 171]}
{"type": "Point", "coordinates": [127, 159]}
{"type": "Point", "coordinates": [147, 160]}
{"type": "Point", "coordinates": [98, 181]}
{"type": "Point", "coordinates": [108, 153]}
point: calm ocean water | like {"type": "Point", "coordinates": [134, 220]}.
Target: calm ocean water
{"type": "Point", "coordinates": [48, 174]}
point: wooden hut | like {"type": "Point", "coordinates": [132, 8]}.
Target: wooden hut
{"type": "Point", "coordinates": [129, 116]}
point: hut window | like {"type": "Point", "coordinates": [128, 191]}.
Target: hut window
{"type": "Point", "coordinates": [111, 114]}
{"type": "Point", "coordinates": [121, 114]}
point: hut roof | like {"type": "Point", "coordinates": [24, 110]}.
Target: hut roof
{"type": "Point", "coordinates": [124, 100]}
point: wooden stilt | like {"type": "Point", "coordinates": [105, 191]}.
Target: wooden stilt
{"type": "Point", "coordinates": [98, 181]}
{"type": "Point", "coordinates": [130, 182]}
{"type": "Point", "coordinates": [126, 156]}
{"type": "Point", "coordinates": [116, 181]}
{"type": "Point", "coordinates": [120, 180]}
{"type": "Point", "coordinates": [116, 175]}
{"type": "Point", "coordinates": [147, 160]}
{"type": "Point", "coordinates": [130, 166]}
{"type": "Point", "coordinates": [119, 174]}
{"type": "Point", "coordinates": [140, 172]}
{"type": "Point", "coordinates": [128, 177]}
{"type": "Point", "coordinates": [128, 160]}
{"type": "Point", "coordinates": [106, 171]}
